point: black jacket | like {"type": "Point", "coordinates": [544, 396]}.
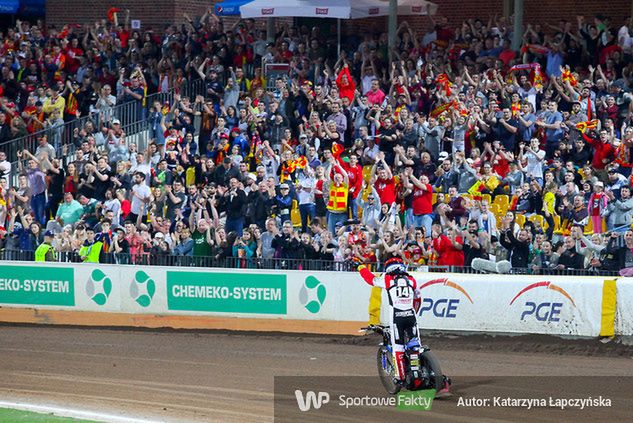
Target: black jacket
{"type": "Point", "coordinates": [520, 251]}
{"type": "Point", "coordinates": [235, 204]}
{"type": "Point", "coordinates": [572, 260]}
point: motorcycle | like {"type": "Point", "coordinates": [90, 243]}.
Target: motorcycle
{"type": "Point", "coordinates": [422, 368]}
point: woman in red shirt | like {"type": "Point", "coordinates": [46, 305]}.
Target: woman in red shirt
{"type": "Point", "coordinates": [448, 248]}
{"type": "Point", "coordinates": [72, 179]}
{"type": "Point", "coordinates": [422, 199]}
{"type": "Point", "coordinates": [346, 84]}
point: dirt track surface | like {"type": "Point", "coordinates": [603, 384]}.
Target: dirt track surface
{"type": "Point", "coordinates": [205, 376]}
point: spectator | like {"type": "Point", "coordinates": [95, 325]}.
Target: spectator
{"type": "Point", "coordinates": [620, 211]}
{"type": "Point", "coordinates": [141, 196]}
{"type": "Point", "coordinates": [305, 186]}
{"type": "Point", "coordinates": [519, 247]}
{"type": "Point", "coordinates": [234, 202]}
{"type": "Point", "coordinates": [338, 197]}
{"type": "Point", "coordinates": [70, 211]}
{"type": "Point", "coordinates": [570, 258]}
{"type": "Point", "coordinates": [401, 124]}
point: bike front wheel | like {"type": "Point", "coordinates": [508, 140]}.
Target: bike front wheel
{"type": "Point", "coordinates": [387, 370]}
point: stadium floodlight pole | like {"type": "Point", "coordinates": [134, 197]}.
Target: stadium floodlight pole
{"type": "Point", "coordinates": [393, 25]}
{"type": "Point", "coordinates": [270, 30]}
{"type": "Point", "coordinates": [507, 8]}
{"type": "Point", "coordinates": [518, 25]}
{"type": "Point", "coordinates": [338, 31]}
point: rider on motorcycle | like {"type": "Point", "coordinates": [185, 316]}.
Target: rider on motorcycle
{"type": "Point", "coordinates": [403, 294]}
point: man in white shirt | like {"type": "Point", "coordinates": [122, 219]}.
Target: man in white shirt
{"type": "Point", "coordinates": [625, 40]}
{"type": "Point", "coordinates": [142, 167]}
{"type": "Point", "coordinates": [305, 191]}
{"type": "Point", "coordinates": [535, 157]}
{"type": "Point", "coordinates": [141, 196]}
{"type": "Point", "coordinates": [5, 166]}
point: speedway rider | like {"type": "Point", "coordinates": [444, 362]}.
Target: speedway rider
{"type": "Point", "coordinates": [403, 294]}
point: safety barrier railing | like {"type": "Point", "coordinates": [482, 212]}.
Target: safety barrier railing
{"type": "Point", "coordinates": [147, 259]}
{"type": "Point", "coordinates": [132, 115]}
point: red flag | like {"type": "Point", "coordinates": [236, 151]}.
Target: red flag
{"type": "Point", "coordinates": [443, 80]}
{"type": "Point", "coordinates": [337, 150]}
{"type": "Point", "coordinates": [589, 107]}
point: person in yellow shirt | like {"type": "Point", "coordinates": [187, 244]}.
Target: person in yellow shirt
{"type": "Point", "coordinates": [45, 251]}
{"type": "Point", "coordinates": [549, 207]}
{"type": "Point", "coordinates": [53, 102]}
{"type": "Point", "coordinates": [339, 191]}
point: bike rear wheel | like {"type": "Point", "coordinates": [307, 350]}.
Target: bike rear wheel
{"type": "Point", "coordinates": [432, 364]}
{"type": "Point", "coordinates": [387, 370]}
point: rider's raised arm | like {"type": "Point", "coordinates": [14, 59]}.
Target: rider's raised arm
{"type": "Point", "coordinates": [370, 278]}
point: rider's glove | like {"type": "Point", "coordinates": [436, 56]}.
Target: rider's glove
{"type": "Point", "coordinates": [361, 267]}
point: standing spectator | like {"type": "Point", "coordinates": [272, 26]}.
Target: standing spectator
{"type": "Point", "coordinates": [141, 196]}
{"type": "Point", "coordinates": [267, 237]}
{"type": "Point", "coordinates": [339, 194]}
{"type": "Point", "coordinates": [37, 184]}
{"type": "Point", "coordinates": [282, 203]}
{"type": "Point", "coordinates": [570, 258]}
{"type": "Point", "coordinates": [5, 128]}
{"type": "Point", "coordinates": [422, 204]}
{"type": "Point", "coordinates": [603, 152]}
{"type": "Point", "coordinates": [597, 206]}
{"type": "Point", "coordinates": [518, 247]}
{"type": "Point", "coordinates": [545, 260]}
{"type": "Point", "coordinates": [370, 208]}
{"type": "Point", "coordinates": [553, 130]}
{"type": "Point", "coordinates": [620, 211]}
{"type": "Point", "coordinates": [449, 247]}
{"type": "Point", "coordinates": [286, 243]}
{"type": "Point", "coordinates": [534, 157]}
{"type": "Point", "coordinates": [306, 184]}
{"type": "Point", "coordinates": [506, 128]}
{"type": "Point", "coordinates": [474, 246]}
{"type": "Point", "coordinates": [234, 202]}
{"type": "Point", "coordinates": [183, 244]}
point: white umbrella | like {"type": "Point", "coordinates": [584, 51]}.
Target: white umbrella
{"type": "Point", "coordinates": [337, 9]}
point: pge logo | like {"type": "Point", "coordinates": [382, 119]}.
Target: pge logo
{"type": "Point", "coordinates": [442, 307]}
{"type": "Point", "coordinates": [543, 311]}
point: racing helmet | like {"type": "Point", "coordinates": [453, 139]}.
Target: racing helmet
{"type": "Point", "coordinates": [395, 265]}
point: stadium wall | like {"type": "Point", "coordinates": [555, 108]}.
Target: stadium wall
{"type": "Point", "coordinates": [305, 301]}
{"type": "Point", "coordinates": [158, 13]}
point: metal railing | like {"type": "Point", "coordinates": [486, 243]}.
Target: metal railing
{"type": "Point", "coordinates": [147, 259]}
{"type": "Point", "coordinates": [132, 115]}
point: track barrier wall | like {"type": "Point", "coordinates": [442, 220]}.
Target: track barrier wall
{"type": "Point", "coordinates": [306, 301]}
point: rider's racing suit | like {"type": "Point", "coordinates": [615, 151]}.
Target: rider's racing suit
{"type": "Point", "coordinates": [403, 294]}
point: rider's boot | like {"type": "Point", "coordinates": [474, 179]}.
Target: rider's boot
{"type": "Point", "coordinates": [445, 391]}
{"type": "Point", "coordinates": [400, 365]}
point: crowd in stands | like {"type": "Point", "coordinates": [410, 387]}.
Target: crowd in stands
{"type": "Point", "coordinates": [448, 150]}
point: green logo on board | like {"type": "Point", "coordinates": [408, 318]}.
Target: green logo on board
{"type": "Point", "coordinates": [142, 289]}
{"type": "Point", "coordinates": [98, 287]}
{"type": "Point", "coordinates": [312, 294]}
